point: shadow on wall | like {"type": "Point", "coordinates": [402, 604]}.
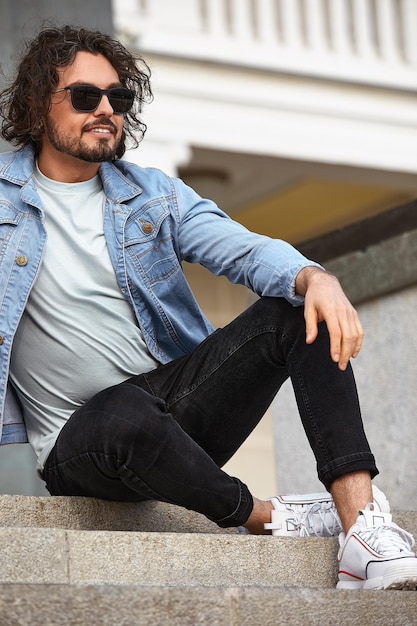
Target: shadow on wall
{"type": "Point", "coordinates": [21, 20]}
{"type": "Point", "coordinates": [18, 475]}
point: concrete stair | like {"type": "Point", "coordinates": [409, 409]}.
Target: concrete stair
{"type": "Point", "coordinates": [79, 561]}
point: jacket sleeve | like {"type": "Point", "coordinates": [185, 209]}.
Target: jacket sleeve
{"type": "Point", "coordinates": [206, 235]}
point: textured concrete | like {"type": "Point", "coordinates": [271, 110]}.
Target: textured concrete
{"type": "Point", "coordinates": [56, 605]}
{"type": "Point", "coordinates": [33, 555]}
{"type": "Point", "coordinates": [204, 560]}
{"type": "Point", "coordinates": [170, 559]}
{"type": "Point", "coordinates": [93, 514]}
{"type": "Point", "coordinates": [407, 520]}
{"type": "Point", "coordinates": [379, 269]}
{"type": "Point", "coordinates": [73, 577]}
{"type": "Point", "coordinates": [78, 513]}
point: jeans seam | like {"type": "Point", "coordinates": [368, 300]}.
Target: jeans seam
{"type": "Point", "coordinates": [309, 412]}
{"type": "Point", "coordinates": [219, 364]}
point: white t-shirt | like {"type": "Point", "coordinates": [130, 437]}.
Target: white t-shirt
{"type": "Point", "coordinates": [78, 334]}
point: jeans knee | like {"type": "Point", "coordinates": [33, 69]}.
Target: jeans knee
{"type": "Point", "coordinates": [276, 308]}
{"type": "Point", "coordinates": [278, 313]}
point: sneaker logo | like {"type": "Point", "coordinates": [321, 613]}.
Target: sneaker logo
{"type": "Point", "coordinates": [291, 525]}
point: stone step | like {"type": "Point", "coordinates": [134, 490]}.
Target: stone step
{"type": "Point", "coordinates": [54, 555]}
{"type": "Point", "coordinates": [62, 541]}
{"type": "Point", "coordinates": [80, 513]}
{"type": "Point", "coordinates": [106, 605]}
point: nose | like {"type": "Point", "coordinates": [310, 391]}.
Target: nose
{"type": "Point", "coordinates": [104, 107]}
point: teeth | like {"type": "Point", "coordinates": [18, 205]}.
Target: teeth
{"type": "Point", "coordinates": [101, 130]}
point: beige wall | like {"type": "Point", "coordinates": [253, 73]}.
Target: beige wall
{"type": "Point", "coordinates": [221, 301]}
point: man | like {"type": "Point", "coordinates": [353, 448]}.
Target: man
{"type": "Point", "coordinates": [126, 390]}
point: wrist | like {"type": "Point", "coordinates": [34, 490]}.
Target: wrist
{"type": "Point", "coordinates": [307, 275]}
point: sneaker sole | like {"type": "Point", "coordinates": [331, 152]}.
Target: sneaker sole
{"type": "Point", "coordinates": [401, 577]}
{"type": "Point", "coordinates": [400, 584]}
{"type": "Point", "coordinates": [406, 584]}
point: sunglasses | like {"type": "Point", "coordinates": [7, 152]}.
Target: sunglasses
{"type": "Point", "coordinates": [86, 98]}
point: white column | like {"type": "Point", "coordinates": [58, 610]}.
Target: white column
{"type": "Point", "coordinates": [267, 21]}
{"type": "Point", "coordinates": [409, 27]}
{"type": "Point", "coordinates": [178, 14]}
{"type": "Point", "coordinates": [316, 31]}
{"type": "Point", "coordinates": [241, 20]}
{"type": "Point", "coordinates": [410, 30]}
{"type": "Point", "coordinates": [386, 23]}
{"type": "Point", "coordinates": [216, 17]}
{"type": "Point", "coordinates": [129, 17]}
{"type": "Point", "coordinates": [339, 29]}
{"type": "Point", "coordinates": [362, 26]}
{"type": "Point", "coordinates": [291, 23]}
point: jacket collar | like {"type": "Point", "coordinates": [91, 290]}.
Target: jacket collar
{"type": "Point", "coordinates": [117, 186]}
{"type": "Point", "coordinates": [17, 167]}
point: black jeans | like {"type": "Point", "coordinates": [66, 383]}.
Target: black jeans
{"type": "Point", "coordinates": [165, 435]}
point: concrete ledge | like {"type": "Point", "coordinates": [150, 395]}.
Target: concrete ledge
{"type": "Point", "coordinates": [204, 560]}
{"type": "Point", "coordinates": [77, 513]}
{"type": "Point", "coordinates": [93, 514]}
{"type": "Point", "coordinates": [42, 555]}
{"type": "Point", "coordinates": [72, 605]}
{"type": "Point", "coordinates": [380, 269]}
{"type": "Point", "coordinates": [407, 520]}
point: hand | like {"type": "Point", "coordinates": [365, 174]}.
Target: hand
{"type": "Point", "coordinates": [325, 300]}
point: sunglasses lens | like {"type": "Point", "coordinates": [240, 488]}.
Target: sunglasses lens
{"type": "Point", "coordinates": [121, 100]}
{"type": "Point", "coordinates": [86, 98]}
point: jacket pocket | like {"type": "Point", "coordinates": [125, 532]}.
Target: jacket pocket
{"type": "Point", "coordinates": [145, 224]}
{"type": "Point", "coordinates": [149, 243]}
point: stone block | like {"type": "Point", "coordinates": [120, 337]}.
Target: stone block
{"type": "Point", "coordinates": [38, 555]}
{"type": "Point", "coordinates": [200, 560]}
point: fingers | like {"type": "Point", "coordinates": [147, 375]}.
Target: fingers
{"type": "Point", "coordinates": [311, 321]}
{"type": "Point", "coordinates": [346, 337]}
{"type": "Point", "coordinates": [345, 330]}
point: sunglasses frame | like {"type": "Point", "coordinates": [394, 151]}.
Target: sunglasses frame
{"type": "Point", "coordinates": [99, 92]}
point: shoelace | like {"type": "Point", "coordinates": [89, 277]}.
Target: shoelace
{"type": "Point", "coordinates": [388, 539]}
{"type": "Point", "coordinates": [305, 520]}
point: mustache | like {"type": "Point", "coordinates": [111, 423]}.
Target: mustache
{"type": "Point", "coordinates": [102, 121]}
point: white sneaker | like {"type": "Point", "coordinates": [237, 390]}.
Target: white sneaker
{"type": "Point", "coordinates": [311, 514]}
{"type": "Point", "coordinates": [376, 554]}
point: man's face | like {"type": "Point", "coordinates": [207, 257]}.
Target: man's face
{"type": "Point", "coordinates": [72, 138]}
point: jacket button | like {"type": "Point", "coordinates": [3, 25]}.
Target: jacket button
{"type": "Point", "coordinates": [21, 260]}
{"type": "Point", "coordinates": [1, 340]}
{"type": "Point", "coordinates": [147, 228]}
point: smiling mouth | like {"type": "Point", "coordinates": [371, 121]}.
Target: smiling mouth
{"type": "Point", "coordinates": [101, 130]}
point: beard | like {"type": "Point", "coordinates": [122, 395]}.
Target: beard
{"type": "Point", "coordinates": [76, 147]}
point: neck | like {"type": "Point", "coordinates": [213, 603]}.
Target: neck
{"type": "Point", "coordinates": [67, 170]}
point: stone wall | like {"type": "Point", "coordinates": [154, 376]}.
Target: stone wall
{"type": "Point", "coordinates": [385, 372]}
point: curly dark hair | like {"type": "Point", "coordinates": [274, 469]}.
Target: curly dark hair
{"type": "Point", "coordinates": [26, 102]}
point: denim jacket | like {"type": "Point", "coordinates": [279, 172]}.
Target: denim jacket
{"type": "Point", "coordinates": [152, 223]}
